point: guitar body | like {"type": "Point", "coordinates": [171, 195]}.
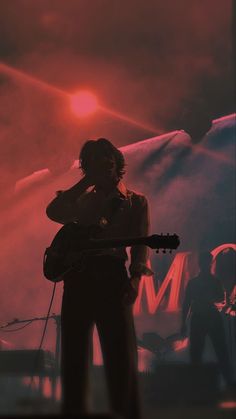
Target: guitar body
{"type": "Point", "coordinates": [59, 258]}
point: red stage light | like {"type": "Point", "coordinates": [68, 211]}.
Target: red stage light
{"type": "Point", "coordinates": [228, 404]}
{"type": "Point", "coordinates": [83, 103]}
{"type": "Point", "coordinates": [180, 344]}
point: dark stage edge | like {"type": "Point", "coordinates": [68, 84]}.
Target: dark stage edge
{"type": "Point", "coordinates": [194, 412]}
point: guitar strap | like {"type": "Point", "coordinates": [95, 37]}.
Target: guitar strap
{"type": "Point", "coordinates": [112, 209]}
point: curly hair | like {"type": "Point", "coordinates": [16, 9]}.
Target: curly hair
{"type": "Point", "coordinates": [105, 148]}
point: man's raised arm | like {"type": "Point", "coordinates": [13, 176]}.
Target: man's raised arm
{"type": "Point", "coordinates": [62, 209]}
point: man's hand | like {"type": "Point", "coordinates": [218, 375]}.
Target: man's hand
{"type": "Point", "coordinates": [89, 179]}
{"type": "Point", "coordinates": [131, 291]}
{"type": "Point", "coordinates": [77, 189]}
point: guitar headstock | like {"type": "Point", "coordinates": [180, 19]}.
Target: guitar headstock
{"type": "Point", "coordinates": [163, 242]}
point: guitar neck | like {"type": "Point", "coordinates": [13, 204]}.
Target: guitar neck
{"type": "Point", "coordinates": [107, 243]}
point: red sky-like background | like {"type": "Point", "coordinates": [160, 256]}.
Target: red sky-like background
{"type": "Point", "coordinates": [146, 60]}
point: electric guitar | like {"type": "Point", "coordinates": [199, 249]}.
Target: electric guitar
{"type": "Point", "coordinates": [72, 242]}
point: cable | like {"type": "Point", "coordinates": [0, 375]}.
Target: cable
{"type": "Point", "coordinates": [42, 338]}
{"type": "Point", "coordinates": [47, 317]}
{"type": "Point", "coordinates": [19, 328]}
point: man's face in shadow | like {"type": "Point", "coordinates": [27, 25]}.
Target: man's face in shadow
{"type": "Point", "coordinates": [103, 169]}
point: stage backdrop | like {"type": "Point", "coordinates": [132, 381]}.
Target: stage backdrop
{"type": "Point", "coordinates": [191, 190]}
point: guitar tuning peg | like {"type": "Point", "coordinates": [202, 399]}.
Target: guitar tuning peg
{"type": "Point", "coordinates": [164, 251]}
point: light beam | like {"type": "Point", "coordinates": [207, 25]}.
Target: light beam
{"type": "Point", "coordinates": [84, 103]}
{"type": "Point", "coordinates": [18, 74]}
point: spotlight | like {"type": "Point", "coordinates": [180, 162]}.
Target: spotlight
{"type": "Point", "coordinates": [83, 103]}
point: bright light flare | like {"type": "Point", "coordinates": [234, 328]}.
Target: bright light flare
{"type": "Point", "coordinates": [181, 344]}
{"type": "Point", "coordinates": [84, 103]}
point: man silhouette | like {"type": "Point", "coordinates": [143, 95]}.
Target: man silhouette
{"type": "Point", "coordinates": [201, 296]}
{"type": "Point", "coordinates": [102, 293]}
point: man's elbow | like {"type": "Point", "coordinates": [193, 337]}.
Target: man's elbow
{"type": "Point", "coordinates": [49, 212]}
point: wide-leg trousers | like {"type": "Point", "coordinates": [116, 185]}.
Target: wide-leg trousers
{"type": "Point", "coordinates": [91, 297]}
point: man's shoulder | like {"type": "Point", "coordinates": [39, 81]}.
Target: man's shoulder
{"type": "Point", "coordinates": [136, 196]}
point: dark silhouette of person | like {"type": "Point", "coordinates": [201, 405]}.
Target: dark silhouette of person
{"type": "Point", "coordinates": [201, 296]}
{"type": "Point", "coordinates": [103, 293]}
{"type": "Point", "coordinates": [225, 268]}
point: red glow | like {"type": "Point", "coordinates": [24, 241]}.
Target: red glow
{"type": "Point", "coordinates": [215, 252]}
{"type": "Point", "coordinates": [84, 103]}
{"type": "Point", "coordinates": [177, 274]}
{"type": "Point", "coordinates": [229, 404]}
{"type": "Point", "coordinates": [27, 78]}
{"type": "Point", "coordinates": [181, 344]}
{"type": "Point", "coordinates": [91, 104]}
{"type": "Point", "coordinates": [173, 278]}
{"type": "Point", "coordinates": [131, 121]}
